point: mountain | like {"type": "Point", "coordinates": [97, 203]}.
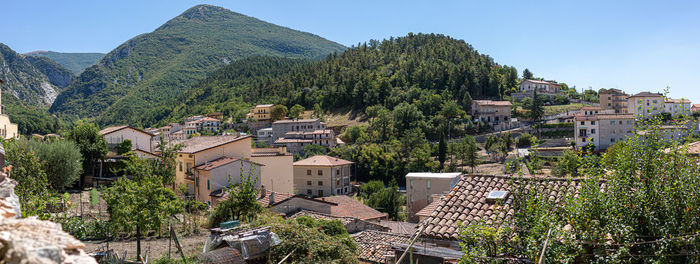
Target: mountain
{"type": "Point", "coordinates": [34, 80]}
{"type": "Point", "coordinates": [74, 61]}
{"type": "Point", "coordinates": [423, 69]}
{"type": "Point", "coordinates": [30, 119]}
{"type": "Point", "coordinates": [156, 67]}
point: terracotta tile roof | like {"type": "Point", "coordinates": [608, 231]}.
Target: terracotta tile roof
{"type": "Point", "coordinates": [696, 106]}
{"type": "Point", "coordinates": [349, 207]}
{"type": "Point", "coordinates": [197, 144]}
{"type": "Point", "coordinates": [112, 129]}
{"type": "Point", "coordinates": [404, 228]}
{"type": "Point", "coordinates": [292, 140]}
{"type": "Point", "coordinates": [427, 210]}
{"type": "Point", "coordinates": [542, 82]}
{"type": "Point", "coordinates": [647, 94]}
{"type": "Point", "coordinates": [375, 246]}
{"type": "Point", "coordinates": [221, 162]}
{"type": "Point", "coordinates": [494, 103]}
{"type": "Point", "coordinates": [265, 200]}
{"type": "Point", "coordinates": [677, 101]}
{"type": "Point", "coordinates": [322, 160]}
{"type": "Point", "coordinates": [467, 202]}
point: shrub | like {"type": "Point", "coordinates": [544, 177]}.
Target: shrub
{"type": "Point", "coordinates": [525, 140]}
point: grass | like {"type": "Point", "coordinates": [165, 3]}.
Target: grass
{"type": "Point", "coordinates": [558, 109]}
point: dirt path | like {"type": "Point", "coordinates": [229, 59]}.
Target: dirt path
{"type": "Point", "coordinates": [192, 245]}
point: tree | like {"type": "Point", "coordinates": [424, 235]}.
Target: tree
{"type": "Point", "coordinates": [537, 107]}
{"type": "Point", "coordinates": [296, 111]}
{"type": "Point", "coordinates": [372, 187]}
{"type": "Point", "coordinates": [311, 150]}
{"type": "Point", "coordinates": [568, 164]}
{"type": "Point", "coordinates": [241, 203]}
{"type": "Point", "coordinates": [32, 187]}
{"type": "Point", "coordinates": [141, 203]}
{"type": "Point", "coordinates": [124, 147]}
{"type": "Point", "coordinates": [318, 111]}
{"type": "Point", "coordinates": [527, 74]}
{"type": "Point", "coordinates": [164, 165]}
{"type": "Point", "coordinates": [442, 150]}
{"type": "Point", "coordinates": [389, 201]}
{"type": "Point", "coordinates": [278, 112]}
{"type": "Point", "coordinates": [471, 152]}
{"type": "Point", "coordinates": [525, 140]}
{"type": "Point", "coordinates": [507, 140]}
{"type": "Point", "coordinates": [467, 102]}
{"type": "Point", "coordinates": [61, 161]}
{"type": "Point", "coordinates": [92, 145]}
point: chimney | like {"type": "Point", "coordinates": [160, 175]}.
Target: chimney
{"type": "Point", "coordinates": [272, 198]}
{"type": "Point", "coordinates": [263, 192]}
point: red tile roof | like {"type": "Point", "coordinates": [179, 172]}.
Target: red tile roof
{"type": "Point", "coordinates": [647, 94]}
{"type": "Point", "coordinates": [427, 210]}
{"type": "Point", "coordinates": [264, 200]}
{"type": "Point", "coordinates": [349, 207]}
{"type": "Point", "coordinates": [375, 246]}
{"type": "Point", "coordinates": [322, 160]}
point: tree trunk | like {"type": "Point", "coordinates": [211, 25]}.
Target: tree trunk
{"type": "Point", "coordinates": [138, 243]}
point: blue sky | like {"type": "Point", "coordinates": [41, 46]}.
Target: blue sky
{"type": "Point", "coordinates": [631, 45]}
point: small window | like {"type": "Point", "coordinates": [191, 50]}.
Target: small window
{"type": "Point", "coordinates": [592, 122]}
{"type": "Point", "coordinates": [337, 183]}
{"type": "Point", "coordinates": [428, 184]}
{"type": "Point", "coordinates": [320, 192]}
{"type": "Point", "coordinates": [308, 183]}
{"type": "Point", "coordinates": [308, 192]}
{"type": "Point", "coordinates": [320, 172]}
{"type": "Point", "coordinates": [410, 182]}
{"type": "Point", "coordinates": [612, 140]}
{"type": "Point", "coordinates": [592, 131]}
{"type": "Point", "coordinates": [207, 184]}
{"type": "Point", "coordinates": [308, 172]}
{"type": "Point", "coordinates": [320, 183]}
{"type": "Point", "coordinates": [612, 122]}
{"type": "Point", "coordinates": [497, 195]}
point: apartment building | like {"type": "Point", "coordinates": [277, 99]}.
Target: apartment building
{"type": "Point", "coordinates": [539, 85]}
{"type": "Point", "coordinates": [422, 186]}
{"type": "Point", "coordinates": [646, 104]}
{"type": "Point", "coordinates": [282, 127]}
{"type": "Point", "coordinates": [296, 140]}
{"type": "Point", "coordinates": [322, 175]}
{"type": "Point", "coordinates": [614, 99]}
{"type": "Point", "coordinates": [602, 130]}
{"type": "Point", "coordinates": [494, 113]}
{"type": "Point", "coordinates": [140, 139]}
{"type": "Point", "coordinates": [678, 107]}
{"type": "Point", "coordinates": [260, 112]}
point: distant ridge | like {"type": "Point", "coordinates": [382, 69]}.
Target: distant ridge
{"type": "Point", "coordinates": [76, 62]}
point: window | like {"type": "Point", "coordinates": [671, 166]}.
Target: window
{"type": "Point", "coordinates": [320, 172]}
{"type": "Point", "coordinates": [308, 183]}
{"type": "Point", "coordinates": [308, 192]}
{"type": "Point", "coordinates": [337, 182]}
{"type": "Point", "coordinates": [592, 122]}
{"type": "Point", "coordinates": [308, 172]}
{"type": "Point", "coordinates": [337, 171]}
{"type": "Point", "coordinates": [410, 182]}
{"type": "Point", "coordinates": [207, 184]}
{"type": "Point", "coordinates": [612, 122]}
{"type": "Point", "coordinates": [428, 184]}
{"type": "Point", "coordinates": [320, 192]}
{"type": "Point", "coordinates": [592, 131]}
{"type": "Point", "coordinates": [179, 164]}
{"type": "Point", "coordinates": [320, 183]}
{"type": "Point", "coordinates": [612, 140]}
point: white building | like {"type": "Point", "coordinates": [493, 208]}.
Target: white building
{"type": "Point", "coordinates": [678, 106]}
{"type": "Point", "coordinates": [646, 104]}
{"type": "Point", "coordinates": [140, 139]}
{"type": "Point", "coordinates": [541, 86]}
{"type": "Point", "coordinates": [602, 130]}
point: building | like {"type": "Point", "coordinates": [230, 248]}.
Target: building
{"type": "Point", "coordinates": [494, 113]}
{"type": "Point", "coordinates": [426, 211]}
{"type": "Point", "coordinates": [420, 186]}
{"type": "Point", "coordinates": [200, 150]}
{"type": "Point", "coordinates": [595, 110]}
{"type": "Point", "coordinates": [485, 199]}
{"type": "Point", "coordinates": [282, 127]}
{"type": "Point", "coordinates": [8, 129]}
{"type": "Point", "coordinates": [695, 108]}
{"type": "Point", "coordinates": [336, 206]}
{"type": "Point", "coordinates": [213, 177]}
{"type": "Point", "coordinates": [646, 104]}
{"type": "Point", "coordinates": [678, 107]}
{"type": "Point", "coordinates": [296, 140]}
{"type": "Point", "coordinates": [352, 224]}
{"type": "Point", "coordinates": [277, 174]}
{"type": "Point", "coordinates": [260, 112]}
{"type": "Point", "coordinates": [203, 124]}
{"type": "Point", "coordinates": [539, 85]}
{"type": "Point", "coordinates": [265, 135]}
{"type": "Point", "coordinates": [140, 139]}
{"type": "Point", "coordinates": [614, 99]}
{"type": "Point", "coordinates": [322, 175]}
{"type": "Point", "coordinates": [603, 130]}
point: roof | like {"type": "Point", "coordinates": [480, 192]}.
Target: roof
{"type": "Point", "coordinates": [428, 209]}
{"type": "Point", "coordinates": [443, 175]}
{"type": "Point", "coordinates": [397, 227]}
{"type": "Point", "coordinates": [197, 144]}
{"type": "Point", "coordinates": [322, 160]}
{"type": "Point", "coordinates": [266, 152]}
{"type": "Point", "coordinates": [349, 207]}
{"type": "Point", "coordinates": [112, 129]}
{"type": "Point", "coordinates": [604, 117]}
{"type": "Point", "coordinates": [612, 91]}
{"type": "Point", "coordinates": [591, 108]}
{"type": "Point", "coordinates": [265, 105]}
{"type": "Point", "coordinates": [647, 94]}
{"type": "Point", "coordinates": [677, 101]}
{"type": "Point", "coordinates": [542, 82]}
{"type": "Point", "coordinates": [295, 121]}
{"type": "Point", "coordinates": [264, 200]}
{"type": "Point", "coordinates": [467, 202]}
{"type": "Point", "coordinates": [494, 103]}
{"type": "Point", "coordinates": [375, 246]}
{"type": "Point", "coordinates": [292, 140]}
{"type": "Point", "coordinates": [221, 162]}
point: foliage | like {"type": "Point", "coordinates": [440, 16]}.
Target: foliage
{"type": "Point", "coordinates": [527, 74]}
{"type": "Point", "coordinates": [124, 147]}
{"type": "Point", "coordinates": [568, 165]}
{"type": "Point", "coordinates": [241, 203]}
{"type": "Point", "coordinates": [132, 81]}
{"type": "Point", "coordinates": [32, 184]}
{"type": "Point", "coordinates": [278, 112]}
{"type": "Point", "coordinates": [296, 111]}
{"type": "Point", "coordinates": [92, 145]}
{"type": "Point", "coordinates": [389, 201]}
{"type": "Point", "coordinates": [164, 165]}
{"type": "Point", "coordinates": [536, 112]}
{"type": "Point", "coordinates": [83, 229]}
{"type": "Point", "coordinates": [311, 150]}
{"type": "Point", "coordinates": [525, 140]}
{"type": "Point", "coordinates": [60, 160]}
{"type": "Point", "coordinates": [75, 62]}
{"type": "Point", "coordinates": [554, 125]}
{"type": "Point", "coordinates": [371, 187]}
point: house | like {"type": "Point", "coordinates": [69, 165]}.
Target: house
{"type": "Point", "coordinates": [8, 129]}
{"type": "Point", "coordinates": [488, 200]}
{"type": "Point", "coordinates": [351, 224]}
{"type": "Point", "coordinates": [528, 85]}
{"type": "Point", "coordinates": [277, 174]}
{"type": "Point", "coordinates": [695, 108]}
{"type": "Point", "coordinates": [376, 246]}
{"type": "Point", "coordinates": [213, 177]}
{"type": "Point", "coordinates": [260, 112]}
{"type": "Point", "coordinates": [169, 132]}
{"type": "Point", "coordinates": [336, 206]}
{"type": "Point", "coordinates": [646, 104]}
{"type": "Point", "coordinates": [678, 107]}
{"type": "Point", "coordinates": [322, 175]}
{"type": "Point", "coordinates": [594, 110]}
{"type": "Point", "coordinates": [603, 130]}
{"type": "Point", "coordinates": [202, 124]}
{"type": "Point", "coordinates": [420, 186]}
{"type": "Point", "coordinates": [281, 127]}
{"type": "Point", "coordinates": [494, 113]}
{"type": "Point", "coordinates": [296, 140]}
{"type": "Point", "coordinates": [200, 150]}
{"type": "Point", "coordinates": [613, 99]}
{"type": "Point", "coordinates": [140, 139]}
{"type": "Point", "coordinates": [265, 135]}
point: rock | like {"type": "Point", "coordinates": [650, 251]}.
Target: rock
{"type": "Point", "coordinates": [9, 202]}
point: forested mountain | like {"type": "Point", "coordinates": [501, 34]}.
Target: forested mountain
{"type": "Point", "coordinates": [76, 62]}
{"type": "Point", "coordinates": [30, 119]}
{"type": "Point", "coordinates": [34, 80]}
{"type": "Point", "coordinates": [415, 68]}
{"type": "Point", "coordinates": [158, 66]}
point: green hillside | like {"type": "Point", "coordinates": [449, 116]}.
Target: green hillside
{"type": "Point", "coordinates": [156, 67]}
{"type": "Point", "coordinates": [74, 61]}
{"type": "Point", "coordinates": [29, 119]}
{"type": "Point", "coordinates": [421, 69]}
{"type": "Point", "coordinates": [34, 80]}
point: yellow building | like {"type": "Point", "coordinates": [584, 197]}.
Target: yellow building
{"type": "Point", "coordinates": [7, 129]}
{"type": "Point", "coordinates": [260, 112]}
{"type": "Point", "coordinates": [200, 150]}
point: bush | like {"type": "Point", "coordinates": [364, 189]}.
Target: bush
{"type": "Point", "coordinates": [525, 140]}
{"type": "Point", "coordinates": [61, 160]}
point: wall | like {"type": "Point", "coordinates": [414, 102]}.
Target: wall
{"type": "Point", "coordinates": [139, 140]}
{"type": "Point", "coordinates": [277, 174]}
{"type": "Point", "coordinates": [7, 129]}
{"type": "Point", "coordinates": [418, 195]}
{"type": "Point", "coordinates": [295, 204]}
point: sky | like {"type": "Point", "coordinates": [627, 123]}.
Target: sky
{"type": "Point", "coordinates": [630, 45]}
